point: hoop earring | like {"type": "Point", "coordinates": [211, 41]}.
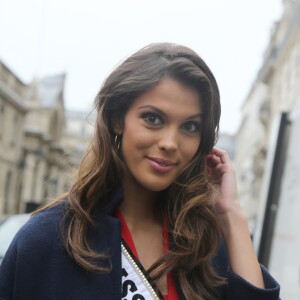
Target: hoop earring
{"type": "Point", "coordinates": [118, 141]}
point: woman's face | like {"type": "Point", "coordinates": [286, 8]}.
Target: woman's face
{"type": "Point", "coordinates": [161, 133]}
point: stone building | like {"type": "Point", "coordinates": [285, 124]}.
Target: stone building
{"type": "Point", "coordinates": [275, 90]}
{"type": "Point", "coordinates": [45, 161]}
{"type": "Point", "coordinates": [78, 132]}
{"type": "Point", "coordinates": [12, 119]}
{"type": "Point", "coordinates": [40, 143]}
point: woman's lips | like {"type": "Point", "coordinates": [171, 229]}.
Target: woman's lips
{"type": "Point", "coordinates": [161, 165]}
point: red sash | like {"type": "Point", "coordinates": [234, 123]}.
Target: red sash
{"type": "Point", "coordinates": [126, 236]}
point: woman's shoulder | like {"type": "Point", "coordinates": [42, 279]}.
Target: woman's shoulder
{"type": "Point", "coordinates": [51, 213]}
{"type": "Point", "coordinates": [43, 227]}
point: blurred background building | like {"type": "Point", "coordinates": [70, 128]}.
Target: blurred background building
{"type": "Point", "coordinates": [227, 142]}
{"type": "Point", "coordinates": [40, 143]}
{"type": "Point", "coordinates": [267, 153]}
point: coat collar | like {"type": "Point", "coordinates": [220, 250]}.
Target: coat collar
{"type": "Point", "coordinates": [112, 201]}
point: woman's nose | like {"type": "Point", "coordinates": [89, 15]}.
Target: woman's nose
{"type": "Point", "coordinates": [168, 141]}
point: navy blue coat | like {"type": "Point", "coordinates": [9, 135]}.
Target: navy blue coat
{"type": "Point", "coordinates": [37, 266]}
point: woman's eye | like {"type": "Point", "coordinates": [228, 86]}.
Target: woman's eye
{"type": "Point", "coordinates": [191, 127]}
{"type": "Point", "coordinates": [152, 118]}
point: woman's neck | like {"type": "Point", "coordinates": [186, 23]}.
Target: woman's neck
{"type": "Point", "coordinates": [139, 206]}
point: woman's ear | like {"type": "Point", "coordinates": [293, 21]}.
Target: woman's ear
{"type": "Point", "coordinates": [117, 123]}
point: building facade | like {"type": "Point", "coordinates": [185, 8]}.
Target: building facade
{"type": "Point", "coordinates": [40, 147]}
{"type": "Point", "coordinates": [267, 154]}
{"type": "Point", "coordinates": [12, 119]}
{"type": "Point", "coordinates": [275, 90]}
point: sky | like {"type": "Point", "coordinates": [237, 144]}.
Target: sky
{"type": "Point", "coordinates": [87, 39]}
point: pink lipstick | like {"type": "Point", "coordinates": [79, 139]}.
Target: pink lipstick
{"type": "Point", "coordinates": [161, 165]}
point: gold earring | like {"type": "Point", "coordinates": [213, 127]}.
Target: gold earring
{"type": "Point", "coordinates": [118, 141]}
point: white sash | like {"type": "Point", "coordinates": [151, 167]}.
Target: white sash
{"type": "Point", "coordinates": [135, 285]}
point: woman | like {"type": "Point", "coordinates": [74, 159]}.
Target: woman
{"type": "Point", "coordinates": [153, 213]}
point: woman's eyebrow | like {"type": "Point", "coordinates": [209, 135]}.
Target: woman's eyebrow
{"type": "Point", "coordinates": [199, 115]}
{"type": "Point", "coordinates": [153, 108]}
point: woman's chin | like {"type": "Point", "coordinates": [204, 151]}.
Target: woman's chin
{"type": "Point", "coordinates": [157, 187]}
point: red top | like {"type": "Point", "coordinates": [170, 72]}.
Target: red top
{"type": "Point", "coordinates": [126, 236]}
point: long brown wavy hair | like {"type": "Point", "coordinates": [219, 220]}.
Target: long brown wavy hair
{"type": "Point", "coordinates": [193, 224]}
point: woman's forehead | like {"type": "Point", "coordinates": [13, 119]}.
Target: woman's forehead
{"type": "Point", "coordinates": [170, 95]}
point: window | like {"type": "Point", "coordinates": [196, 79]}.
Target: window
{"type": "Point", "coordinates": [1, 117]}
{"type": "Point", "coordinates": [7, 192]}
{"type": "Point", "coordinates": [14, 132]}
